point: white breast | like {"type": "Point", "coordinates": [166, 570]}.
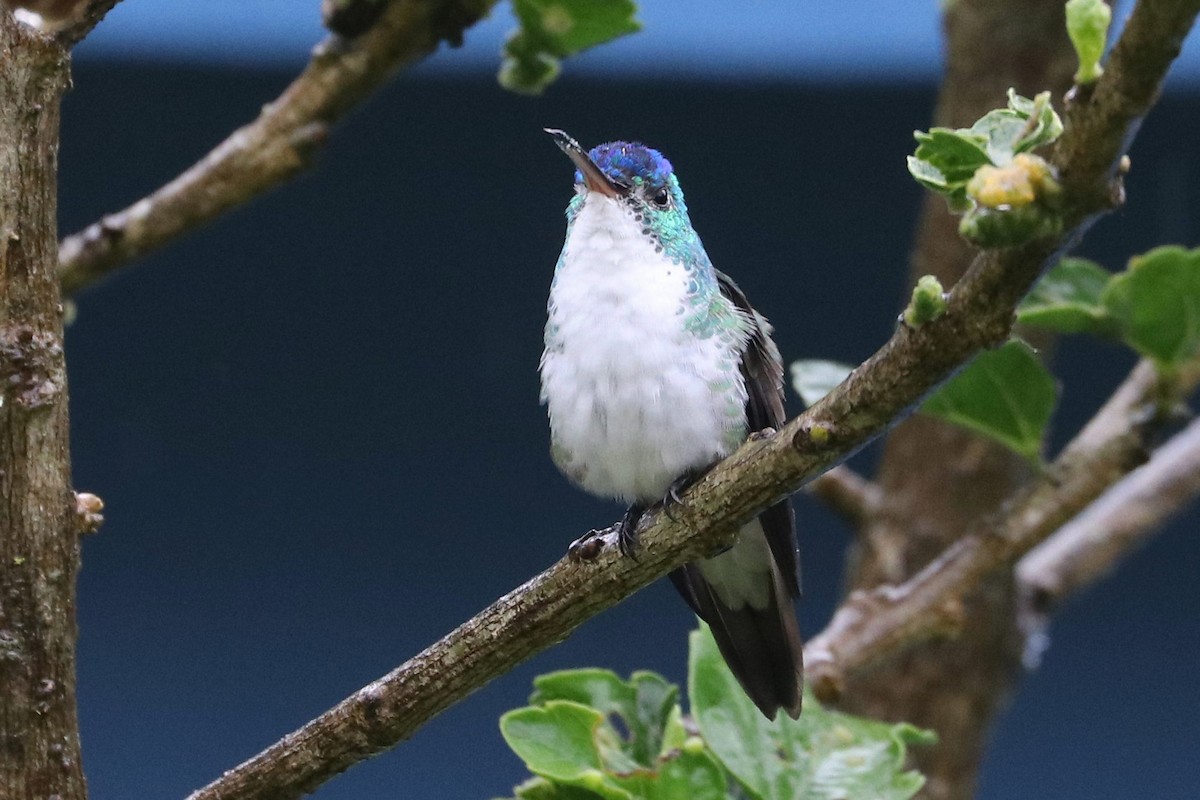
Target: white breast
{"type": "Point", "coordinates": [635, 400]}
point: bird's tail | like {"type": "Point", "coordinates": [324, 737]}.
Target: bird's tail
{"type": "Point", "coordinates": [748, 604]}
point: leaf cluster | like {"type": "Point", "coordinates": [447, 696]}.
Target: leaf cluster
{"type": "Point", "coordinates": [1007, 394]}
{"type": "Point", "coordinates": [1153, 306]}
{"type": "Point", "coordinates": [988, 173]}
{"type": "Point", "coordinates": [588, 735]}
{"type": "Point", "coordinates": [551, 30]}
{"type": "Point", "coordinates": [946, 159]}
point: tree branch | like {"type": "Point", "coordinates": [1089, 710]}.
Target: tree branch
{"type": "Point", "coordinates": [1100, 115]}
{"type": "Point", "coordinates": [937, 480]}
{"type": "Point", "coordinates": [880, 622]}
{"type": "Point", "coordinates": [1089, 546]}
{"type": "Point", "coordinates": [77, 30]}
{"type": "Point", "coordinates": [940, 483]}
{"type": "Point", "coordinates": [275, 147]}
{"type": "Point", "coordinates": [39, 540]}
{"type": "Point", "coordinates": [849, 494]}
{"type": "Point", "coordinates": [763, 471]}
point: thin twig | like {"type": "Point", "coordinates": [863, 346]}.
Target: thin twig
{"type": "Point", "coordinates": [849, 494]}
{"type": "Point", "coordinates": [1088, 547]}
{"type": "Point", "coordinates": [892, 382]}
{"type": "Point", "coordinates": [275, 147]}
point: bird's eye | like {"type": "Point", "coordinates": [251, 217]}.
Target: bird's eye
{"type": "Point", "coordinates": [661, 198]}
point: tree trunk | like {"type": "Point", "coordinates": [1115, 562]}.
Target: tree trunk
{"type": "Point", "coordinates": [39, 537]}
{"type": "Point", "coordinates": [939, 480]}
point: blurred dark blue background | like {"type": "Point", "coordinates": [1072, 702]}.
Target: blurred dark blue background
{"type": "Point", "coordinates": [315, 424]}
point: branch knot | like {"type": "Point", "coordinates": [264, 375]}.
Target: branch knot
{"type": "Point", "coordinates": [31, 366]}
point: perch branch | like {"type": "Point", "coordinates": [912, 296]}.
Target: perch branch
{"type": "Point", "coordinates": [276, 146]}
{"type": "Point", "coordinates": [850, 495]}
{"type": "Point", "coordinates": [1090, 545]}
{"type": "Point", "coordinates": [912, 363]}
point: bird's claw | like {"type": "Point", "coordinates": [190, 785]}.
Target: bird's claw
{"type": "Point", "coordinates": [588, 546]}
{"type": "Point", "coordinates": [627, 531]}
{"type": "Point", "coordinates": [673, 499]}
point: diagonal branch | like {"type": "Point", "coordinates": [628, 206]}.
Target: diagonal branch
{"type": "Point", "coordinates": [880, 622]}
{"type": "Point", "coordinates": [853, 497]}
{"type": "Point", "coordinates": [275, 147]}
{"type": "Point", "coordinates": [766, 469]}
{"type": "Point", "coordinates": [1101, 114]}
{"type": "Point", "coordinates": [1089, 546]}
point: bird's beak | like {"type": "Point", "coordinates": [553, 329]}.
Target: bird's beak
{"type": "Point", "coordinates": [593, 178]}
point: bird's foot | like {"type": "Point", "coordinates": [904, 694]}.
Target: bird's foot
{"type": "Point", "coordinates": [627, 530]}
{"type": "Point", "coordinates": [589, 546]}
{"type": "Point", "coordinates": [673, 500]}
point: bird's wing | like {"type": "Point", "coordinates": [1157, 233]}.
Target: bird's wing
{"type": "Point", "coordinates": [757, 632]}
{"type": "Point", "coordinates": [762, 370]}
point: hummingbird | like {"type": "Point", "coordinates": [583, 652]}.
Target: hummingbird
{"type": "Point", "coordinates": [656, 367]}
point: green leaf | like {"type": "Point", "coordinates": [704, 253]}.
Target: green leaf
{"type": "Point", "coordinates": [1047, 125]}
{"type": "Point", "coordinates": [927, 175]}
{"type": "Point", "coordinates": [561, 741]}
{"type": "Point", "coordinates": [1068, 299]}
{"type": "Point", "coordinates": [1087, 26]}
{"type": "Point", "coordinates": [1023, 126]}
{"type": "Point", "coordinates": [946, 159]}
{"type": "Point", "coordinates": [813, 378]}
{"type": "Point", "coordinates": [1006, 394]}
{"type": "Point", "coordinates": [693, 774]}
{"type": "Point", "coordinates": [569, 739]}
{"type": "Point", "coordinates": [542, 789]}
{"type": "Point", "coordinates": [644, 703]}
{"type": "Point", "coordinates": [1002, 130]}
{"type": "Point", "coordinates": [525, 70]}
{"type": "Point", "coordinates": [1156, 303]}
{"type": "Point", "coordinates": [551, 30]}
{"type": "Point", "coordinates": [822, 756]}
{"type": "Point", "coordinates": [956, 154]}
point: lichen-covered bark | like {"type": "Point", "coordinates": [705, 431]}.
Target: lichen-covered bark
{"type": "Point", "coordinates": [938, 480]}
{"type": "Point", "coordinates": [39, 543]}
